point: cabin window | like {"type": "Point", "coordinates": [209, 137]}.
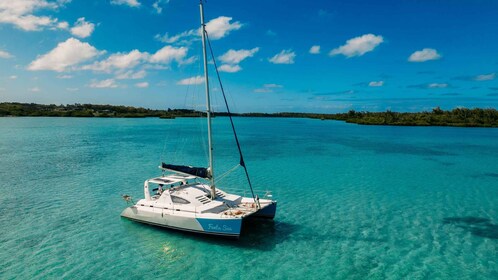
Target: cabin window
{"type": "Point", "coordinates": [179, 200]}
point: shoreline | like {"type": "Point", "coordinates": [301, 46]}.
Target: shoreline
{"type": "Point", "coordinates": [459, 117]}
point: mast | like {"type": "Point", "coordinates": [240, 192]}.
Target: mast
{"type": "Point", "coordinates": [208, 101]}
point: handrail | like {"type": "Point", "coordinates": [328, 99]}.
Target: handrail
{"type": "Point", "coordinates": [267, 194]}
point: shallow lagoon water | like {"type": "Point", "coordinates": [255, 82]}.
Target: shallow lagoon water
{"type": "Point", "coordinates": [355, 202]}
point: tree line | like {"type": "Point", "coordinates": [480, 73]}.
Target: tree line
{"type": "Point", "coordinates": [437, 117]}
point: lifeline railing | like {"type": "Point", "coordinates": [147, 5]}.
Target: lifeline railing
{"type": "Point", "coordinates": [266, 194]}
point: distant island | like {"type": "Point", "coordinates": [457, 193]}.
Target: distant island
{"type": "Point", "coordinates": [461, 117]}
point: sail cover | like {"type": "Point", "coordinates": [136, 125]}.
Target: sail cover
{"type": "Point", "coordinates": [201, 172]}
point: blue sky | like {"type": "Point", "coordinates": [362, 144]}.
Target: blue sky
{"type": "Point", "coordinates": [275, 56]}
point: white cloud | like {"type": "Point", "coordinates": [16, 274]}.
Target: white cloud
{"type": "Point", "coordinates": [315, 49]}
{"type": "Point", "coordinates": [168, 54]}
{"type": "Point", "coordinates": [176, 38]}
{"type": "Point", "coordinates": [217, 28]}
{"type": "Point", "coordinates": [109, 83]}
{"type": "Point", "coordinates": [4, 54]}
{"type": "Point", "coordinates": [64, 77]}
{"type": "Point", "coordinates": [437, 85]}
{"type": "Point", "coordinates": [424, 55]}
{"type": "Point", "coordinates": [191, 81]}
{"type": "Point", "coordinates": [263, 90]}
{"type": "Point", "coordinates": [157, 5]}
{"type": "Point", "coordinates": [220, 27]}
{"type": "Point", "coordinates": [142, 85]}
{"type": "Point", "coordinates": [13, 77]}
{"type": "Point", "coordinates": [130, 75]}
{"type": "Point", "coordinates": [20, 13]}
{"type": "Point", "coordinates": [270, 32]}
{"type": "Point", "coordinates": [66, 54]}
{"type": "Point", "coordinates": [235, 57]}
{"type": "Point", "coordinates": [376, 83]}
{"type": "Point", "coordinates": [229, 68]}
{"type": "Point", "coordinates": [189, 60]}
{"type": "Point", "coordinates": [268, 88]}
{"type": "Point", "coordinates": [358, 46]}
{"type": "Point", "coordinates": [118, 61]}
{"type": "Point", "coordinates": [273, 86]}
{"type": "Point", "coordinates": [63, 25]}
{"type": "Point", "coordinates": [82, 28]}
{"type": "Point", "coordinates": [131, 3]}
{"type": "Point", "coordinates": [35, 89]}
{"type": "Point", "coordinates": [485, 77]}
{"type": "Point", "coordinates": [283, 57]}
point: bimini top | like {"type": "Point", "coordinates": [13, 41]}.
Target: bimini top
{"type": "Point", "coordinates": [200, 172]}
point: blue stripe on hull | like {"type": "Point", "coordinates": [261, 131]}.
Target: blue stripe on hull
{"type": "Point", "coordinates": [229, 235]}
{"type": "Point", "coordinates": [221, 226]}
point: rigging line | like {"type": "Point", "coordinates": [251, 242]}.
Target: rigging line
{"type": "Point", "coordinates": [242, 163]}
{"type": "Point", "coordinates": [219, 178]}
{"type": "Point", "coordinates": [173, 156]}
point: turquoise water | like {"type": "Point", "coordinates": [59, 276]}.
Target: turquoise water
{"type": "Point", "coordinates": [355, 202]}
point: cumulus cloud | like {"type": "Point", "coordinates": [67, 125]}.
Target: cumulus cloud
{"type": "Point", "coordinates": [122, 65]}
{"type": "Point", "coordinates": [169, 54]}
{"type": "Point", "coordinates": [283, 57]}
{"type": "Point", "coordinates": [20, 13]}
{"type": "Point", "coordinates": [235, 57]}
{"type": "Point", "coordinates": [4, 54]}
{"type": "Point", "coordinates": [232, 58]}
{"type": "Point", "coordinates": [157, 5]}
{"type": "Point", "coordinates": [13, 77]}
{"type": "Point", "coordinates": [424, 55]}
{"type": "Point", "coordinates": [358, 46]}
{"type": "Point", "coordinates": [63, 25]}
{"type": "Point", "coordinates": [131, 75]}
{"type": "Point", "coordinates": [35, 89]}
{"type": "Point", "coordinates": [315, 49]}
{"type": "Point", "coordinates": [485, 77]}
{"type": "Point", "coordinates": [191, 81]}
{"type": "Point", "coordinates": [142, 85]}
{"type": "Point", "coordinates": [118, 61]}
{"type": "Point", "coordinates": [220, 27]}
{"type": "Point", "coordinates": [376, 83]}
{"type": "Point", "coordinates": [229, 68]}
{"type": "Point", "coordinates": [68, 53]}
{"type": "Point", "coordinates": [217, 28]}
{"type": "Point", "coordinates": [82, 28]}
{"type": "Point", "coordinates": [108, 83]}
{"type": "Point", "coordinates": [131, 3]}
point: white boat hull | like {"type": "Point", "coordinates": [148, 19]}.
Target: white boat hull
{"type": "Point", "coordinates": [192, 222]}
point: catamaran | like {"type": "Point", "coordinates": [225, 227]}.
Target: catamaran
{"type": "Point", "coordinates": [186, 198]}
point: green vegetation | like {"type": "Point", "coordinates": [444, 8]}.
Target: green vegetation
{"type": "Point", "coordinates": [88, 110]}
{"type": "Point", "coordinates": [437, 117]}
{"type": "Point", "coordinates": [456, 117]}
